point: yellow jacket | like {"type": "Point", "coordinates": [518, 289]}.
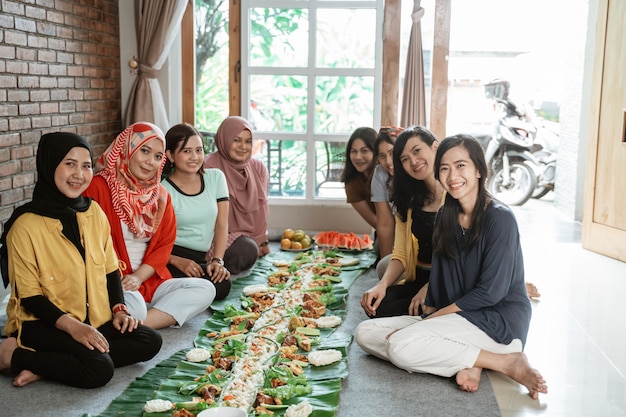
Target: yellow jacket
{"type": "Point", "coordinates": [404, 251]}
{"type": "Point", "coordinates": [44, 262]}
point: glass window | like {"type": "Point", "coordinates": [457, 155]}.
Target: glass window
{"type": "Point", "coordinates": [343, 103]}
{"type": "Point", "coordinates": [286, 163]}
{"type": "Point", "coordinates": [278, 37]}
{"type": "Point", "coordinates": [278, 103]}
{"type": "Point", "coordinates": [329, 162]}
{"type": "Point", "coordinates": [346, 38]}
{"type": "Point", "coordinates": [310, 73]}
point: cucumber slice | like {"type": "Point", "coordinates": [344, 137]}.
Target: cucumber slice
{"type": "Point", "coordinates": [332, 278]}
{"type": "Point", "coordinates": [301, 364]}
{"type": "Point", "coordinates": [308, 331]}
{"type": "Point", "coordinates": [275, 406]}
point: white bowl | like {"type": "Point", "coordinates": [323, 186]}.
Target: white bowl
{"type": "Point", "coordinates": [222, 412]}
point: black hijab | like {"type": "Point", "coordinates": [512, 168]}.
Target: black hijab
{"type": "Point", "coordinates": [47, 200]}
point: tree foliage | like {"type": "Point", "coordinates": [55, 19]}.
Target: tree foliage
{"type": "Point", "coordinates": [211, 20]}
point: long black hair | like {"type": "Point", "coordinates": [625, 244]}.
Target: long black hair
{"type": "Point", "coordinates": [407, 192]}
{"type": "Point", "coordinates": [447, 222]}
{"type": "Point", "coordinates": [368, 136]}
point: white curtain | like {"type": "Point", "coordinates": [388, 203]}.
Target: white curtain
{"type": "Point", "coordinates": [413, 95]}
{"type": "Point", "coordinates": [157, 25]}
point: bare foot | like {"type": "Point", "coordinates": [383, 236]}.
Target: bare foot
{"type": "Point", "coordinates": [6, 352]}
{"type": "Point", "coordinates": [24, 378]}
{"type": "Point", "coordinates": [520, 370]}
{"type": "Point", "coordinates": [532, 290]}
{"type": "Point", "coordinates": [469, 379]}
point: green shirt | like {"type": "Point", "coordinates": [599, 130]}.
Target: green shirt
{"type": "Point", "coordinates": [196, 214]}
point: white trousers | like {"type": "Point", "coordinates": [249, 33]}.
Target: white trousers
{"type": "Point", "coordinates": [440, 346]}
{"type": "Point", "coordinates": [181, 298]}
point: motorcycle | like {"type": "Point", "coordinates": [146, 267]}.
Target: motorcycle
{"type": "Point", "coordinates": [545, 150]}
{"type": "Point", "coordinates": [513, 177]}
{"type": "Point", "coordinates": [521, 154]}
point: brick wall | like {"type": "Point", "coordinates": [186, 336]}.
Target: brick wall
{"type": "Point", "coordinates": [59, 71]}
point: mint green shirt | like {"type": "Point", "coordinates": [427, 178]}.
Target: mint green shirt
{"type": "Point", "coordinates": [196, 214]}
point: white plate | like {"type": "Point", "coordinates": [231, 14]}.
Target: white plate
{"type": "Point", "coordinates": [222, 412]}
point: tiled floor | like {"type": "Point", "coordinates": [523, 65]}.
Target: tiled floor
{"type": "Point", "coordinates": [578, 329]}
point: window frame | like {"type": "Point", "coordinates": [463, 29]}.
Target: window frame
{"type": "Point", "coordinates": [311, 72]}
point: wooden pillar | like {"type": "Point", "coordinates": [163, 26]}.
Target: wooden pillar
{"type": "Point", "coordinates": [234, 57]}
{"type": "Point", "coordinates": [391, 62]}
{"type": "Point", "coordinates": [441, 50]}
{"type": "Point", "coordinates": [188, 65]}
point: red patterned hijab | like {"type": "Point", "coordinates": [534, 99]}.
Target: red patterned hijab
{"type": "Point", "coordinates": [139, 204]}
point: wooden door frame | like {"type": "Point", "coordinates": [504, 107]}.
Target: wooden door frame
{"type": "Point", "coordinates": [188, 64]}
{"type": "Point", "coordinates": [596, 236]}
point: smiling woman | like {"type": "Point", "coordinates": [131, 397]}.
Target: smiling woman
{"type": "Point", "coordinates": [200, 201]}
{"type": "Point", "coordinates": [142, 222]}
{"type": "Point", "coordinates": [248, 185]}
{"type": "Point", "coordinates": [65, 325]}
{"type": "Point", "coordinates": [357, 172]}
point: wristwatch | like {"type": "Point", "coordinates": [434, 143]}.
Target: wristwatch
{"type": "Point", "coordinates": [120, 307]}
{"type": "Point", "coordinates": [217, 260]}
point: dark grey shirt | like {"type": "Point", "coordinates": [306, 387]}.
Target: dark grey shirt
{"type": "Point", "coordinates": [486, 281]}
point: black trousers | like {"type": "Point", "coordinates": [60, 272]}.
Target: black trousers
{"type": "Point", "coordinates": [241, 255]}
{"type": "Point", "coordinates": [398, 297]}
{"type": "Point", "coordinates": [58, 357]}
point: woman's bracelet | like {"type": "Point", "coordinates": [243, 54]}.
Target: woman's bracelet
{"type": "Point", "coordinates": [217, 260]}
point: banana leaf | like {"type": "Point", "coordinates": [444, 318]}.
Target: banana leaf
{"type": "Point", "coordinates": [164, 380]}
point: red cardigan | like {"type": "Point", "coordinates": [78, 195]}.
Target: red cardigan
{"type": "Point", "coordinates": [159, 248]}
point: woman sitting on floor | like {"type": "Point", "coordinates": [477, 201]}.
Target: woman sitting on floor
{"type": "Point", "coordinates": [248, 187]}
{"type": "Point", "coordinates": [416, 195]}
{"type": "Point", "coordinates": [477, 311]}
{"type": "Point", "coordinates": [143, 227]}
{"type": "Point", "coordinates": [67, 321]}
{"type": "Point", "coordinates": [200, 201]}
{"type": "Point", "coordinates": [381, 195]}
{"type": "Point", "coordinates": [357, 173]}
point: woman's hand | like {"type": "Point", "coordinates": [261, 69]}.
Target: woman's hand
{"type": "Point", "coordinates": [372, 298]}
{"type": "Point", "coordinates": [192, 269]}
{"type": "Point", "coordinates": [131, 282]}
{"type": "Point", "coordinates": [187, 266]}
{"type": "Point", "coordinates": [418, 301]}
{"type": "Point", "coordinates": [264, 249]}
{"type": "Point", "coordinates": [122, 322]}
{"type": "Point", "coordinates": [217, 272]}
{"type": "Point", "coordinates": [83, 333]}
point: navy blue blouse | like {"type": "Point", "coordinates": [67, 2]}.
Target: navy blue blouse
{"type": "Point", "coordinates": [486, 281]}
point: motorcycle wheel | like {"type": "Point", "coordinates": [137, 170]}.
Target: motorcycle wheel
{"type": "Point", "coordinates": [546, 177]}
{"type": "Point", "coordinates": [540, 192]}
{"type": "Point", "coordinates": [521, 187]}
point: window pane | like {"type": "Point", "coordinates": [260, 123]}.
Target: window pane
{"type": "Point", "coordinates": [278, 103]}
{"type": "Point", "coordinates": [279, 37]}
{"type": "Point", "coordinates": [346, 38]}
{"type": "Point", "coordinates": [329, 161]}
{"type": "Point", "coordinates": [343, 104]}
{"type": "Point", "coordinates": [286, 163]}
